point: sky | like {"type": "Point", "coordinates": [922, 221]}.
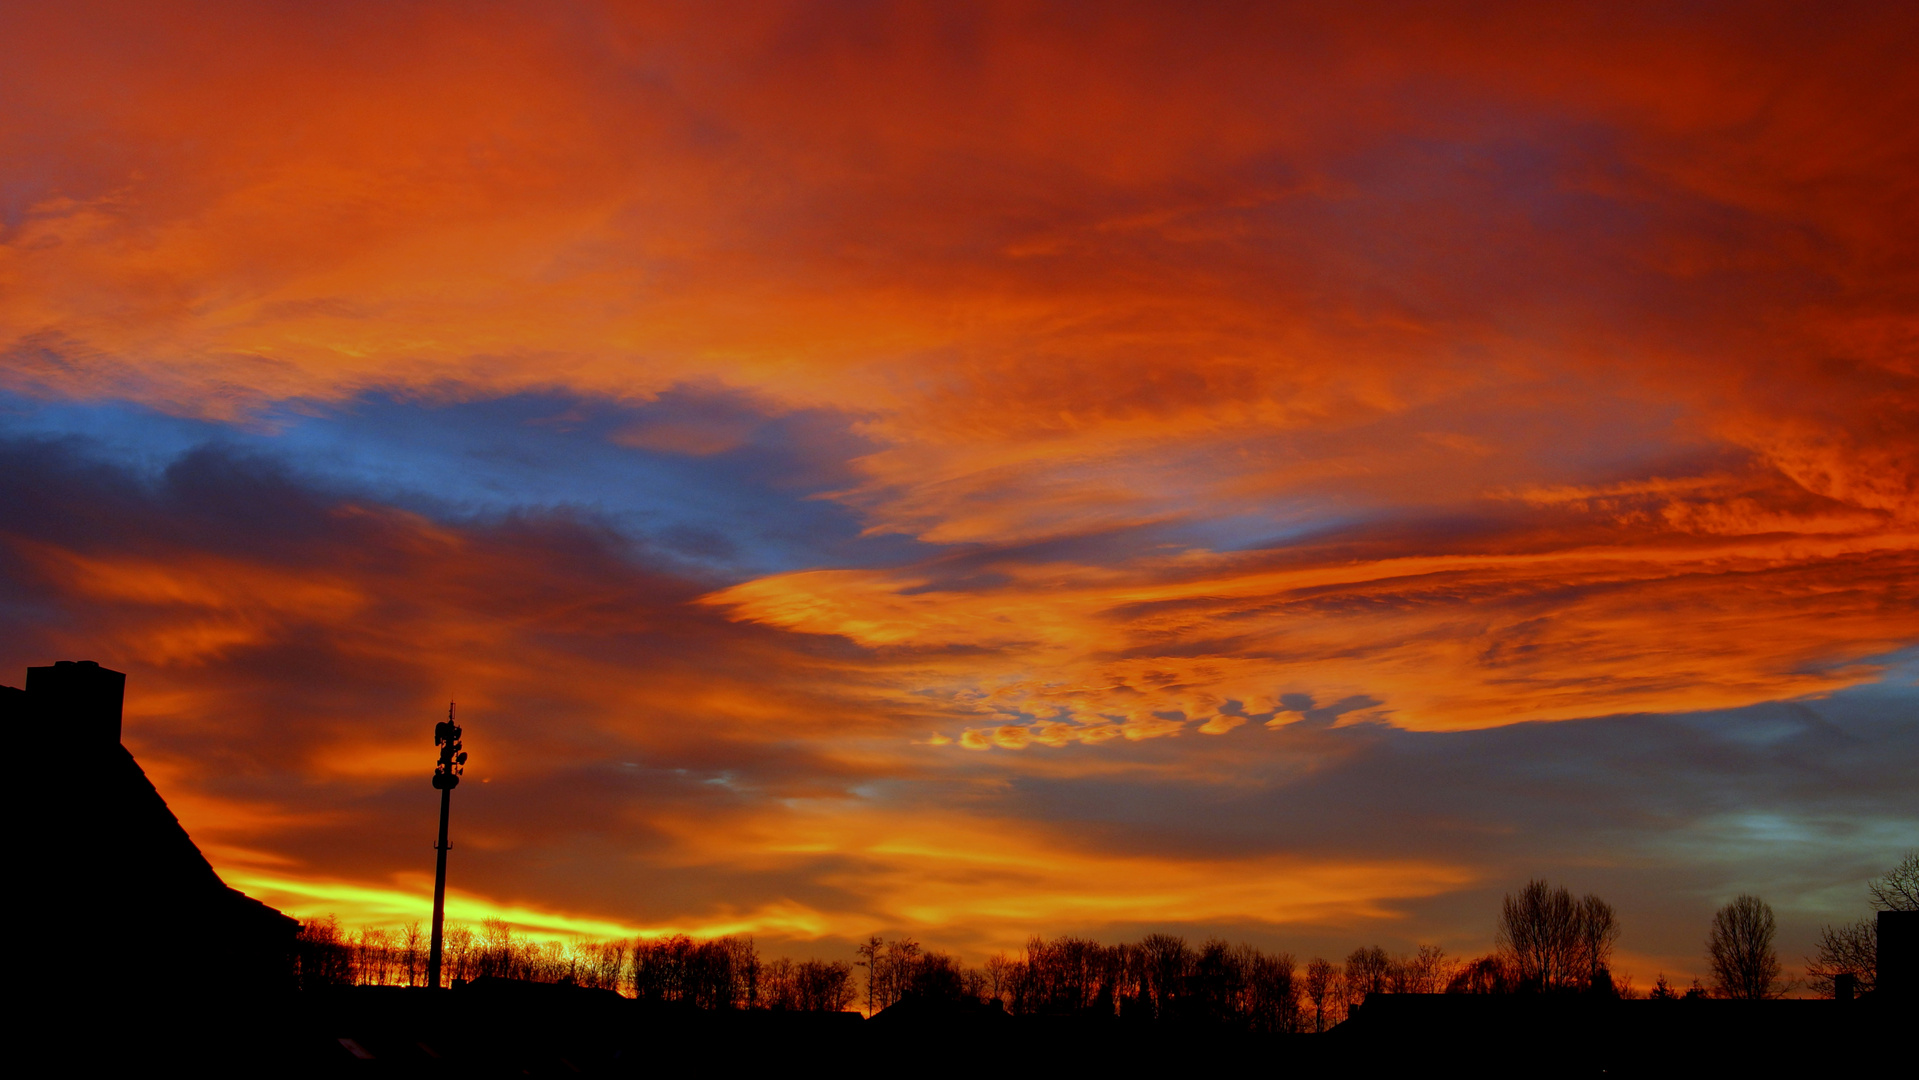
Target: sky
{"type": "Point", "coordinates": [1292, 472]}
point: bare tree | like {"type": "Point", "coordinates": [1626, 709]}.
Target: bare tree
{"type": "Point", "coordinates": [1218, 981]}
{"type": "Point", "coordinates": [1486, 975]}
{"type": "Point", "coordinates": [659, 968]}
{"type": "Point", "coordinates": [1066, 975]}
{"type": "Point", "coordinates": [898, 966]}
{"type": "Point", "coordinates": [780, 991]}
{"type": "Point", "coordinates": [324, 955]}
{"type": "Point", "coordinates": [1002, 973]}
{"type": "Point", "coordinates": [1598, 929]}
{"type": "Point", "coordinates": [1426, 972]}
{"type": "Point", "coordinates": [823, 986]}
{"type": "Point", "coordinates": [743, 965]}
{"type": "Point", "coordinates": [1898, 890]}
{"type": "Point", "coordinates": [1553, 942]}
{"type": "Point", "coordinates": [413, 952]}
{"type": "Point", "coordinates": [1852, 949]}
{"type": "Point", "coordinates": [925, 974]}
{"type": "Point", "coordinates": [1271, 1000]}
{"type": "Point", "coordinates": [1322, 989]}
{"type": "Point", "coordinates": [609, 964]}
{"type": "Point", "coordinates": [459, 951]}
{"type": "Point", "coordinates": [808, 986]}
{"type": "Point", "coordinates": [1368, 971]}
{"type": "Point", "coordinates": [1165, 962]}
{"type": "Point", "coordinates": [975, 984]}
{"type": "Point", "coordinates": [870, 958]}
{"type": "Point", "coordinates": [495, 949]}
{"type": "Point", "coordinates": [1538, 932]}
{"type": "Point", "coordinates": [1744, 965]}
{"type": "Point", "coordinates": [373, 955]}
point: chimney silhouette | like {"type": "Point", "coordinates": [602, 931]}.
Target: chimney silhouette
{"type": "Point", "coordinates": [79, 703]}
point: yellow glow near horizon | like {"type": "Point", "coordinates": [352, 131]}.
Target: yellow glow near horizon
{"type": "Point", "coordinates": [371, 905]}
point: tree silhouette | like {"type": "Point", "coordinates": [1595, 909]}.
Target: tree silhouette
{"type": "Point", "coordinates": [901, 960]}
{"type": "Point", "coordinates": [1744, 965]}
{"type": "Point", "coordinates": [1851, 949]}
{"type": "Point", "coordinates": [1221, 986]}
{"type": "Point", "coordinates": [806, 986]}
{"type": "Point", "coordinates": [459, 954]}
{"type": "Point", "coordinates": [322, 955]}
{"type": "Point", "coordinates": [372, 956]}
{"type": "Point", "coordinates": [1486, 975]}
{"type": "Point", "coordinates": [718, 973]}
{"type": "Point", "coordinates": [1425, 972]}
{"type": "Point", "coordinates": [1164, 963]}
{"type": "Point", "coordinates": [1218, 981]}
{"type": "Point", "coordinates": [1553, 942]}
{"type": "Point", "coordinates": [1368, 971]}
{"type": "Point", "coordinates": [1001, 973]}
{"type": "Point", "coordinates": [413, 943]}
{"type": "Point", "coordinates": [1271, 998]}
{"type": "Point", "coordinates": [608, 965]}
{"type": "Point", "coordinates": [1598, 929]}
{"type": "Point", "coordinates": [869, 952]}
{"type": "Point", "coordinates": [1898, 890]}
{"type": "Point", "coordinates": [1322, 989]}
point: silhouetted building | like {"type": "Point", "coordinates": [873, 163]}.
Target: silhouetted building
{"type": "Point", "coordinates": [1898, 961]}
{"type": "Point", "coordinates": [114, 894]}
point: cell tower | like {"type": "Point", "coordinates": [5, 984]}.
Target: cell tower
{"type": "Point", "coordinates": [446, 777]}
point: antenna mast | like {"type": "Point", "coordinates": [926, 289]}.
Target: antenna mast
{"type": "Point", "coordinates": [446, 777]}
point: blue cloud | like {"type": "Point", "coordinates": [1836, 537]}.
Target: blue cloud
{"type": "Point", "coordinates": [722, 482]}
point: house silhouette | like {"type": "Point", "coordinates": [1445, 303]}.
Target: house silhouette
{"type": "Point", "coordinates": [116, 894]}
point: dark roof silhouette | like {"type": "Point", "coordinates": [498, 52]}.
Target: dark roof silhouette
{"type": "Point", "coordinates": [106, 855]}
{"type": "Point", "coordinates": [1898, 958]}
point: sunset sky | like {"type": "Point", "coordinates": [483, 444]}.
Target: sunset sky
{"type": "Point", "coordinates": [973, 470]}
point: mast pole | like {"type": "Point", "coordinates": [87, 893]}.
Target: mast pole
{"type": "Point", "coordinates": [446, 777]}
{"type": "Point", "coordinates": [439, 895]}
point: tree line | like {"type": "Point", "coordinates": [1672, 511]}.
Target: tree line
{"type": "Point", "coordinates": [716, 973]}
{"type": "Point", "coordinates": [1161, 977]}
{"type": "Point", "coordinates": [1546, 942]}
{"type": "Point", "coordinates": [1550, 941]}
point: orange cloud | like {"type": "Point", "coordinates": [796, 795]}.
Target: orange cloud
{"type": "Point", "coordinates": [1441, 642]}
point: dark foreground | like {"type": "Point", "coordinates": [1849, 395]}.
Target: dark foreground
{"type": "Point", "coordinates": [518, 1029]}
